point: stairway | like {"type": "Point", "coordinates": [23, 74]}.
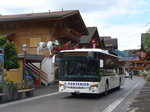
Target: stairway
{"type": "Point", "coordinates": [36, 72]}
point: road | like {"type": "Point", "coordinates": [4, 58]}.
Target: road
{"type": "Point", "coordinates": [115, 101]}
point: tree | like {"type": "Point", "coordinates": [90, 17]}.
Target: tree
{"type": "Point", "coordinates": [3, 40]}
{"type": "Point", "coordinates": [10, 54]}
{"type": "Point", "coordinates": [147, 41]}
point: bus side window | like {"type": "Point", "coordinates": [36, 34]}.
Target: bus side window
{"type": "Point", "coordinates": [101, 72]}
{"type": "Point", "coordinates": [121, 70]}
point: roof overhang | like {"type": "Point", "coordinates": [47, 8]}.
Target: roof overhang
{"type": "Point", "coordinates": [32, 58]}
{"type": "Point", "coordinates": [73, 16]}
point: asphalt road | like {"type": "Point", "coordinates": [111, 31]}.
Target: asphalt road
{"type": "Point", "coordinates": [115, 101]}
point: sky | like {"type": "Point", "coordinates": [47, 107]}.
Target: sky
{"type": "Point", "coordinates": [122, 19]}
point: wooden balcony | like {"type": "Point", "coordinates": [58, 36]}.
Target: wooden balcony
{"type": "Point", "coordinates": [69, 33]}
{"type": "Point", "coordinates": [139, 61]}
{"type": "Point", "coordinates": [136, 68]}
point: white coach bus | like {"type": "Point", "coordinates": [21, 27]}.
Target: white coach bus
{"type": "Point", "coordinates": [89, 71]}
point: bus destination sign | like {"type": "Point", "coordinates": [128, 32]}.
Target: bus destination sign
{"type": "Point", "coordinates": [76, 54]}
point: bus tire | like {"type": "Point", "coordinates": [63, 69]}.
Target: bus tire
{"type": "Point", "coordinates": [106, 88]}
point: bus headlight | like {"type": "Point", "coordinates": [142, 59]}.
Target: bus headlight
{"type": "Point", "coordinates": [93, 87]}
{"type": "Point", "coordinates": [62, 87]}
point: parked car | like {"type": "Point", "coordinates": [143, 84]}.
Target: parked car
{"type": "Point", "coordinates": [127, 75]}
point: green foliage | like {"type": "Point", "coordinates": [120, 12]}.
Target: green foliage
{"type": "Point", "coordinates": [148, 77]}
{"type": "Point", "coordinates": [3, 40]}
{"type": "Point", "coordinates": [10, 54]}
{"type": "Point", "coordinates": [10, 82]}
{"type": "Point", "coordinates": [147, 41]}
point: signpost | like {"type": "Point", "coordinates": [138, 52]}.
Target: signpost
{"type": "Point", "coordinates": [1, 65]}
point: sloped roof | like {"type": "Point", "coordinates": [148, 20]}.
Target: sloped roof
{"type": "Point", "coordinates": [109, 42]}
{"type": "Point", "coordinates": [44, 15]}
{"type": "Point", "coordinates": [73, 15]}
{"type": "Point", "coordinates": [115, 43]}
{"type": "Point", "coordinates": [105, 37]}
{"type": "Point", "coordinates": [87, 38]}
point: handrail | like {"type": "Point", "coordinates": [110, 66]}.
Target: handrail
{"type": "Point", "coordinates": [43, 78]}
{"type": "Point", "coordinates": [37, 69]}
{"type": "Point", "coordinates": [34, 70]}
{"type": "Point", "coordinates": [44, 61]}
{"type": "Point", "coordinates": [38, 72]}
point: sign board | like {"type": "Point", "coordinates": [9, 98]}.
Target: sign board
{"type": "Point", "coordinates": [131, 57]}
{"type": "Point", "coordinates": [1, 64]}
{"type": "Point", "coordinates": [76, 54]}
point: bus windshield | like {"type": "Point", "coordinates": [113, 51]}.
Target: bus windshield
{"type": "Point", "coordinates": [79, 69]}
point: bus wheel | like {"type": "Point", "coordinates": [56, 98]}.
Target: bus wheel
{"type": "Point", "coordinates": [106, 89]}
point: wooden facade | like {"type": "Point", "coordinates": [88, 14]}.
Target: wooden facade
{"type": "Point", "coordinates": [109, 43]}
{"type": "Point", "coordinates": [92, 40]}
{"type": "Point", "coordinates": [144, 56]}
{"type": "Point", "coordinates": [32, 28]}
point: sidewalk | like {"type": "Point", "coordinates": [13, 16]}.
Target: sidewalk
{"type": "Point", "coordinates": [142, 101]}
{"type": "Point", "coordinates": [42, 90]}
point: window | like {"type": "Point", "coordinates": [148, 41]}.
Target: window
{"type": "Point", "coordinates": [110, 71]}
{"type": "Point", "coordinates": [79, 69]}
{"type": "Point", "coordinates": [11, 26]}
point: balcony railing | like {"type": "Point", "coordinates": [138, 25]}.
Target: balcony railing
{"type": "Point", "coordinates": [66, 32]}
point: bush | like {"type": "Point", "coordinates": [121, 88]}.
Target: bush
{"type": "Point", "coordinates": [10, 54]}
{"type": "Point", "coordinates": [11, 59]}
{"type": "Point", "coordinates": [10, 86]}
{"type": "Point", "coordinates": [3, 40]}
{"type": "Point", "coordinates": [148, 77]}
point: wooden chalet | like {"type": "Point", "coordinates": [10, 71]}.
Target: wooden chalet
{"type": "Point", "coordinates": [109, 43]}
{"type": "Point", "coordinates": [92, 40]}
{"type": "Point", "coordinates": [144, 56]}
{"type": "Point", "coordinates": [32, 28]}
{"type": "Point", "coordinates": [134, 61]}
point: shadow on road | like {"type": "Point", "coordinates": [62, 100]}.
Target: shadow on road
{"type": "Point", "coordinates": [91, 96]}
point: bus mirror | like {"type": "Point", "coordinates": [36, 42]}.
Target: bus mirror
{"type": "Point", "coordinates": [101, 63]}
{"type": "Point", "coordinates": [53, 59]}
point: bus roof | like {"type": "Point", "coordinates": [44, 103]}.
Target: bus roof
{"type": "Point", "coordinates": [91, 50]}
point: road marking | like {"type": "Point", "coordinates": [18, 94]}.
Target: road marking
{"type": "Point", "coordinates": [112, 106]}
{"type": "Point", "coordinates": [28, 99]}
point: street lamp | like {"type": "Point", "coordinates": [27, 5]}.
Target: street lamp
{"type": "Point", "coordinates": [24, 48]}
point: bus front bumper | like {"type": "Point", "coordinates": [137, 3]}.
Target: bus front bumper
{"type": "Point", "coordinates": [92, 87]}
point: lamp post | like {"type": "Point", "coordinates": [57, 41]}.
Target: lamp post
{"type": "Point", "coordinates": [24, 48]}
